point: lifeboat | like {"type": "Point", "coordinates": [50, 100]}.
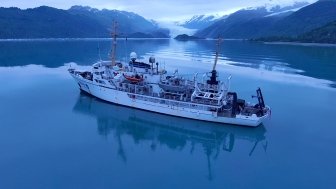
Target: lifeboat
{"type": "Point", "coordinates": [134, 78]}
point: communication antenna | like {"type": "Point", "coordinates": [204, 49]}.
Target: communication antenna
{"type": "Point", "coordinates": [125, 48]}
{"type": "Point", "coordinates": [99, 56]}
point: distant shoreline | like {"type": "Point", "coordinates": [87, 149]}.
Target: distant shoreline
{"type": "Point", "coordinates": [104, 38]}
{"type": "Point", "coordinates": [301, 44]}
{"type": "Point", "coordinates": [72, 39]}
{"type": "Point", "coordinates": [206, 39]}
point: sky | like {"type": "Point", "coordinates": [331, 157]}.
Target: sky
{"type": "Point", "coordinates": [160, 10]}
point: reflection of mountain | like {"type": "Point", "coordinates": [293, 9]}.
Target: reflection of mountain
{"type": "Point", "coordinates": [175, 133]}
{"type": "Point", "coordinates": [54, 53]}
{"type": "Point", "coordinates": [316, 62]}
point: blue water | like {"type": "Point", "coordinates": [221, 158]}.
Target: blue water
{"type": "Point", "coordinates": [52, 136]}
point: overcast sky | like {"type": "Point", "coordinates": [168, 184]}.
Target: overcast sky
{"type": "Point", "coordinates": [161, 10]}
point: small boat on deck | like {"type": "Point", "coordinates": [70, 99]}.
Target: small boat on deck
{"type": "Point", "coordinates": [134, 78]}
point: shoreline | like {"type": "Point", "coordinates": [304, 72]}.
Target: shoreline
{"type": "Point", "coordinates": [301, 44]}
{"type": "Point", "coordinates": [206, 39]}
{"type": "Point", "coordinates": [72, 39]}
{"type": "Point", "coordinates": [105, 38]}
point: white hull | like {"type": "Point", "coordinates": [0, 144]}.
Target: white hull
{"type": "Point", "coordinates": [123, 98]}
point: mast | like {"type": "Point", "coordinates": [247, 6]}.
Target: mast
{"type": "Point", "coordinates": [213, 77]}
{"type": "Point", "coordinates": [217, 53]}
{"type": "Point", "coordinates": [114, 42]}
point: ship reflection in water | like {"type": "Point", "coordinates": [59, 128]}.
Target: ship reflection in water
{"type": "Point", "coordinates": [176, 133]}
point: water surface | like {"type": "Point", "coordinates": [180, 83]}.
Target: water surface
{"type": "Point", "coordinates": [53, 136]}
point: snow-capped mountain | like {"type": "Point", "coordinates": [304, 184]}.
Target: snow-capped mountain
{"type": "Point", "coordinates": [129, 23]}
{"type": "Point", "coordinates": [201, 21]}
{"type": "Point", "coordinates": [279, 7]}
{"type": "Point", "coordinates": [273, 20]}
{"type": "Point", "coordinates": [280, 10]}
{"type": "Point", "coordinates": [275, 9]}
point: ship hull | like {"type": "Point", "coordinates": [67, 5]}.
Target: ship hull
{"type": "Point", "coordinates": [125, 99]}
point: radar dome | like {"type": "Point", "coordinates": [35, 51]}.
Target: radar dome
{"type": "Point", "coordinates": [152, 59]}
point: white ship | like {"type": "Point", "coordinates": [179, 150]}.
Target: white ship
{"type": "Point", "coordinates": [142, 86]}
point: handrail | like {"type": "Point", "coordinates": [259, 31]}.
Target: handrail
{"type": "Point", "coordinates": [190, 104]}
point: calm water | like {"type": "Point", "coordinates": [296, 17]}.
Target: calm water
{"type": "Point", "coordinates": [52, 136]}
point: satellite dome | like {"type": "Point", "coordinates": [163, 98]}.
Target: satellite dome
{"type": "Point", "coordinates": [152, 59]}
{"type": "Point", "coordinates": [133, 56]}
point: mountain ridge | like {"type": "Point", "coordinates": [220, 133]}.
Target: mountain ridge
{"type": "Point", "coordinates": [256, 22]}
{"type": "Point", "coordinates": [201, 21]}
{"type": "Point", "coordinates": [324, 34]}
{"type": "Point", "coordinates": [76, 22]}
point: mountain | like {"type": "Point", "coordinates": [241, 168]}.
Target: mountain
{"type": "Point", "coordinates": [269, 21]}
{"type": "Point", "coordinates": [159, 33]}
{"type": "Point", "coordinates": [242, 24]}
{"type": "Point", "coordinates": [77, 22]}
{"type": "Point", "coordinates": [46, 22]}
{"type": "Point", "coordinates": [306, 19]}
{"type": "Point", "coordinates": [324, 34]}
{"type": "Point", "coordinates": [128, 22]}
{"type": "Point", "coordinates": [201, 21]}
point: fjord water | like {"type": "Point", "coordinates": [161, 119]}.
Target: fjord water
{"type": "Point", "coordinates": [53, 136]}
